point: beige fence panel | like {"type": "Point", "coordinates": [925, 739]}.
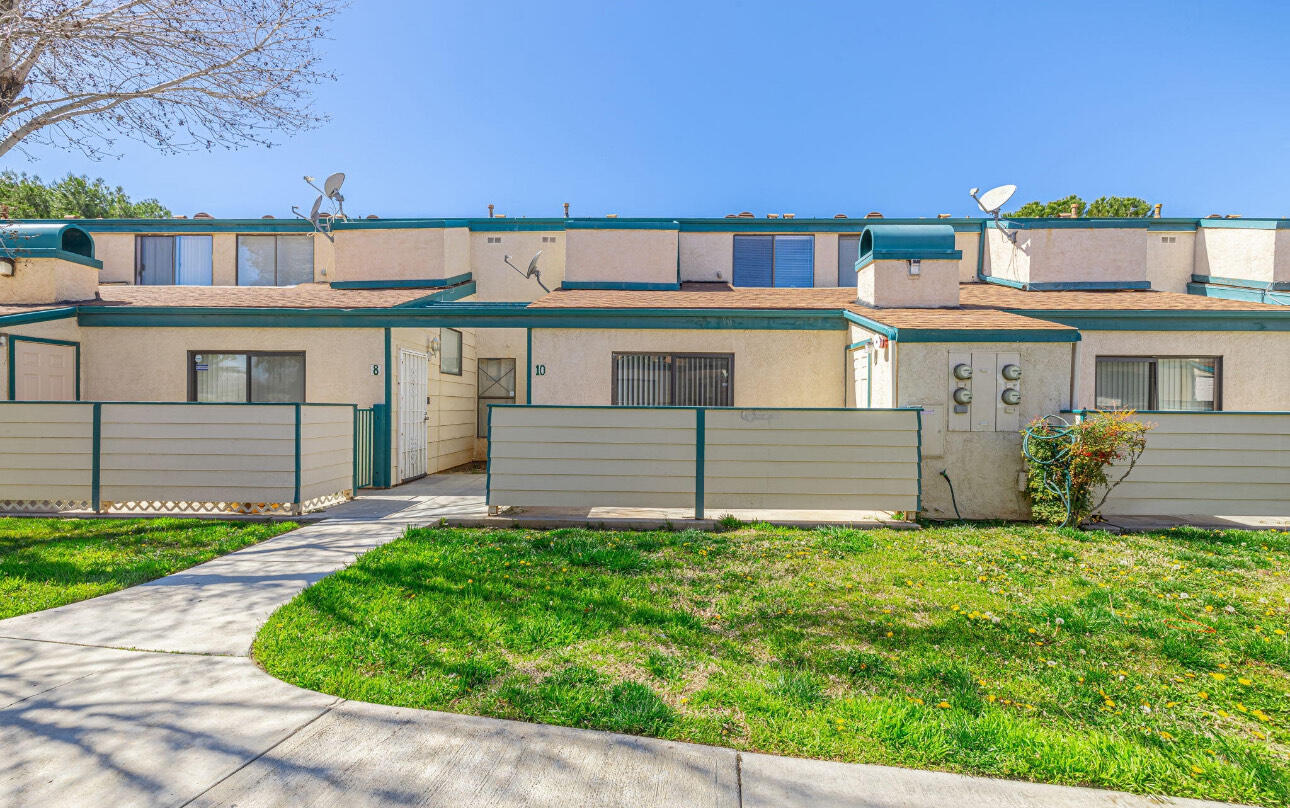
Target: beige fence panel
{"type": "Point", "coordinates": [587, 457]}
{"type": "Point", "coordinates": [197, 453]}
{"type": "Point", "coordinates": [46, 456]}
{"type": "Point", "coordinates": [1216, 464]}
{"type": "Point", "coordinates": [845, 460]}
{"type": "Point", "coordinates": [326, 455]}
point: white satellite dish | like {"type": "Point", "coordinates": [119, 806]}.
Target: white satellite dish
{"type": "Point", "coordinates": [331, 186]}
{"type": "Point", "coordinates": [322, 220]}
{"type": "Point", "coordinates": [531, 272]}
{"type": "Point", "coordinates": [992, 201]}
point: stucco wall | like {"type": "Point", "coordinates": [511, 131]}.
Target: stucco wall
{"type": "Point", "coordinates": [408, 253]}
{"type": "Point", "coordinates": [888, 284]}
{"type": "Point", "coordinates": [967, 244]}
{"type": "Point", "coordinates": [772, 368]}
{"type": "Point", "coordinates": [1241, 253]}
{"type": "Point", "coordinates": [984, 466]}
{"type": "Point", "coordinates": [48, 280]}
{"type": "Point", "coordinates": [707, 256]}
{"type": "Point", "coordinates": [151, 364]}
{"type": "Point", "coordinates": [1068, 254]}
{"type": "Point", "coordinates": [1170, 257]}
{"type": "Point", "coordinates": [639, 256]}
{"type": "Point", "coordinates": [495, 281]}
{"type": "Point", "coordinates": [116, 251]}
{"type": "Point", "coordinates": [1256, 365]}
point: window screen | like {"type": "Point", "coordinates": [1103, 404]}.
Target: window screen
{"type": "Point", "coordinates": [774, 261]}
{"type": "Point", "coordinates": [173, 260]}
{"type": "Point", "coordinates": [1157, 383]}
{"type": "Point", "coordinates": [246, 377]}
{"type": "Point", "coordinates": [275, 260]}
{"type": "Point", "coordinates": [682, 380]}
{"type": "Point", "coordinates": [450, 351]}
{"type": "Point", "coordinates": [496, 385]}
{"type": "Point", "coordinates": [848, 254]}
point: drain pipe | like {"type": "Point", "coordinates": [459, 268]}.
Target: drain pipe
{"type": "Point", "coordinates": [980, 254]}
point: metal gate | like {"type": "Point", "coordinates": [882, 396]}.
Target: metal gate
{"type": "Point", "coordinates": [364, 447]}
{"type": "Point", "coordinates": [413, 418]}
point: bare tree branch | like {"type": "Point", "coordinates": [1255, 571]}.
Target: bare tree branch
{"type": "Point", "coordinates": [175, 74]}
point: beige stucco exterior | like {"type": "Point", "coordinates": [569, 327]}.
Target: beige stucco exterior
{"type": "Point", "coordinates": [890, 284]}
{"type": "Point", "coordinates": [404, 254]}
{"type": "Point", "coordinates": [707, 257]}
{"type": "Point", "coordinates": [1243, 254]}
{"type": "Point", "coordinates": [495, 281]}
{"type": "Point", "coordinates": [48, 280]}
{"type": "Point", "coordinates": [1055, 255]}
{"type": "Point", "coordinates": [634, 256]}
{"type": "Point", "coordinates": [771, 368]}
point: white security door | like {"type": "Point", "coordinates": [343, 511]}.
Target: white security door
{"type": "Point", "coordinates": [412, 413]}
{"type": "Point", "coordinates": [44, 371]}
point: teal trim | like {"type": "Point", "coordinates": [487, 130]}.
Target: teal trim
{"type": "Point", "coordinates": [528, 366]}
{"type": "Point", "coordinates": [621, 224]}
{"type": "Point", "coordinates": [40, 316]}
{"type": "Point", "coordinates": [12, 370]}
{"type": "Point", "coordinates": [386, 440]}
{"type": "Point", "coordinates": [488, 458]}
{"type": "Point", "coordinates": [469, 315]}
{"type": "Point", "coordinates": [1025, 223]}
{"type": "Point", "coordinates": [964, 334]}
{"type": "Point", "coordinates": [1245, 224]}
{"type": "Point", "coordinates": [868, 359]}
{"type": "Point", "coordinates": [1239, 293]}
{"type": "Point", "coordinates": [96, 444]}
{"type": "Point", "coordinates": [900, 242]}
{"type": "Point", "coordinates": [48, 239]}
{"type": "Point", "coordinates": [859, 344]}
{"type": "Point", "coordinates": [754, 225]}
{"type": "Point", "coordinates": [687, 407]}
{"type": "Point", "coordinates": [1068, 286]}
{"type": "Point", "coordinates": [1160, 320]}
{"type": "Point", "coordinates": [700, 448]}
{"type": "Point", "coordinates": [181, 226]}
{"type": "Point", "coordinates": [296, 496]}
{"type": "Point", "coordinates": [420, 283]}
{"type": "Point", "coordinates": [919, 502]}
{"type": "Point", "coordinates": [634, 286]}
{"type": "Point", "coordinates": [446, 296]}
{"type": "Point", "coordinates": [34, 252]}
{"type": "Point", "coordinates": [980, 251]}
{"type": "Point", "coordinates": [509, 225]}
{"type": "Point", "coordinates": [353, 484]}
{"type": "Point", "coordinates": [1245, 283]}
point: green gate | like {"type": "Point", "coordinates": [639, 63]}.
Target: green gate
{"type": "Point", "coordinates": [364, 447]}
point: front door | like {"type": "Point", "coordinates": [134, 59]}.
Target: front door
{"type": "Point", "coordinates": [412, 414]}
{"type": "Point", "coordinates": [43, 371]}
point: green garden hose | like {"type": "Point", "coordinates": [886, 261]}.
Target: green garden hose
{"type": "Point", "coordinates": [1056, 471]}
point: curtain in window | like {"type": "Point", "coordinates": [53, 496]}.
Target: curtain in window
{"type": "Point", "coordinates": [156, 260]}
{"type": "Point", "coordinates": [219, 377]}
{"type": "Point", "coordinates": [277, 377]}
{"type": "Point", "coordinates": [1123, 384]}
{"type": "Point", "coordinates": [255, 260]}
{"type": "Point", "coordinates": [193, 260]}
{"type": "Point", "coordinates": [643, 380]}
{"type": "Point", "coordinates": [703, 381]}
{"type": "Point", "coordinates": [848, 254]}
{"type": "Point", "coordinates": [295, 260]}
{"type": "Point", "coordinates": [795, 261]}
{"type": "Point", "coordinates": [752, 260]}
{"type": "Point", "coordinates": [1186, 384]}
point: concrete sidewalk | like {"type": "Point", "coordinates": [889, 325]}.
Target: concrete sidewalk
{"type": "Point", "coordinates": [189, 720]}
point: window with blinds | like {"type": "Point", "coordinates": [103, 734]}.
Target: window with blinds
{"type": "Point", "coordinates": [848, 254]}
{"type": "Point", "coordinates": [1165, 383]}
{"type": "Point", "coordinates": [172, 260]}
{"type": "Point", "coordinates": [787, 261]}
{"type": "Point", "coordinates": [680, 380]}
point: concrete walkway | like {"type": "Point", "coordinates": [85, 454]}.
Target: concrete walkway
{"type": "Point", "coordinates": [149, 697]}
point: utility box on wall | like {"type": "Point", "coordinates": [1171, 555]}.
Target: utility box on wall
{"type": "Point", "coordinates": [984, 392]}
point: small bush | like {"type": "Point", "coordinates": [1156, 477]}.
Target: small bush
{"type": "Point", "coordinates": [1067, 465]}
{"type": "Point", "coordinates": [728, 521]}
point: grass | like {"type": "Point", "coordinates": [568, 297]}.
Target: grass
{"type": "Point", "coordinates": [50, 562]}
{"type": "Point", "coordinates": [1154, 663]}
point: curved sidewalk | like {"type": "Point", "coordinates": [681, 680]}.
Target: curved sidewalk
{"type": "Point", "coordinates": [148, 696]}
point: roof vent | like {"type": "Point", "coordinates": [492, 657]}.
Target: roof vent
{"type": "Point", "coordinates": [839, 216]}
{"type": "Point", "coordinates": [201, 214]}
{"type": "Point", "coordinates": [373, 216]}
{"type": "Point", "coordinates": [772, 215]}
{"type": "Point", "coordinates": [746, 214]}
{"type": "Point", "coordinates": [943, 216]}
{"type": "Point", "coordinates": [732, 215]}
{"type": "Point", "coordinates": [1232, 216]}
{"type": "Point", "coordinates": [1214, 216]}
{"type": "Point", "coordinates": [611, 215]}
{"type": "Point", "coordinates": [790, 215]}
{"type": "Point", "coordinates": [267, 216]}
{"type": "Point", "coordinates": [873, 214]}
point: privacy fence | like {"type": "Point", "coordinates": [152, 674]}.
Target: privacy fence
{"type": "Point", "coordinates": [175, 457]}
{"type": "Point", "coordinates": [710, 458]}
{"type": "Point", "coordinates": [1209, 463]}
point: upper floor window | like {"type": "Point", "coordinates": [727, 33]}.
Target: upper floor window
{"type": "Point", "coordinates": [848, 254]}
{"type": "Point", "coordinates": [172, 260]}
{"type": "Point", "coordinates": [774, 261]}
{"type": "Point", "coordinates": [1158, 383]}
{"type": "Point", "coordinates": [275, 260]}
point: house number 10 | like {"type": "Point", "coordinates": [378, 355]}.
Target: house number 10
{"type": "Point", "coordinates": [539, 370]}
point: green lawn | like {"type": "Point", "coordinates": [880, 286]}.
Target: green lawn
{"type": "Point", "coordinates": [1154, 663]}
{"type": "Point", "coordinates": [49, 562]}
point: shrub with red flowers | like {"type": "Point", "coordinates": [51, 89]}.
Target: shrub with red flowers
{"type": "Point", "coordinates": [1067, 465]}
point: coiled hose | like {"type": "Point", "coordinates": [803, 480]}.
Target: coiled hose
{"type": "Point", "coordinates": [1057, 476]}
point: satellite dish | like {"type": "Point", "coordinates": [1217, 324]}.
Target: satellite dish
{"type": "Point", "coordinates": [532, 272]}
{"type": "Point", "coordinates": [313, 212]}
{"type": "Point", "coordinates": [993, 200]}
{"type": "Point", "coordinates": [331, 186]}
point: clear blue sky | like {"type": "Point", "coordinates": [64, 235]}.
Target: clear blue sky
{"type": "Point", "coordinates": [706, 108]}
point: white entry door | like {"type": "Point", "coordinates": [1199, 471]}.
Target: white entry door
{"type": "Point", "coordinates": [413, 367]}
{"type": "Point", "coordinates": [44, 371]}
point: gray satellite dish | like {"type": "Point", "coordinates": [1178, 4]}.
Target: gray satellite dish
{"type": "Point", "coordinates": [331, 186]}
{"type": "Point", "coordinates": [322, 221]}
{"type": "Point", "coordinates": [313, 212]}
{"type": "Point", "coordinates": [992, 201]}
{"type": "Point", "coordinates": [531, 272]}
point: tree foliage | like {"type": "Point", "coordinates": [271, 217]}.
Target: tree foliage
{"type": "Point", "coordinates": [1066, 466]}
{"type": "Point", "coordinates": [26, 197]}
{"type": "Point", "coordinates": [1103, 207]}
{"type": "Point", "coordinates": [174, 74]}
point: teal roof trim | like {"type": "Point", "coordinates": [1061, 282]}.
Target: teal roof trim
{"type": "Point", "coordinates": [447, 295]}
{"type": "Point", "coordinates": [395, 283]}
{"type": "Point", "coordinates": [900, 242]}
{"type": "Point", "coordinates": [962, 334]}
{"type": "Point", "coordinates": [1162, 320]}
{"type": "Point", "coordinates": [68, 242]}
{"type": "Point", "coordinates": [621, 224]}
{"type": "Point", "coordinates": [1239, 293]}
{"type": "Point", "coordinates": [1245, 224]}
{"type": "Point", "coordinates": [1275, 286]}
{"type": "Point", "coordinates": [1069, 286]}
{"type": "Point", "coordinates": [40, 316]}
{"type": "Point", "coordinates": [634, 286]}
{"type": "Point", "coordinates": [853, 226]}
